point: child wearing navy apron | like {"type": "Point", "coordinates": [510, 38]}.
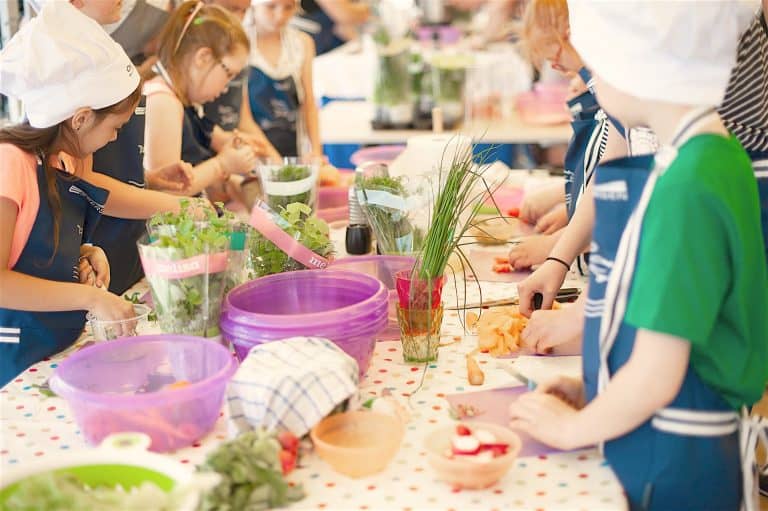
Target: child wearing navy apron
{"type": "Point", "coordinates": [674, 339]}
{"type": "Point", "coordinates": [201, 50]}
{"type": "Point", "coordinates": [86, 88]}
{"type": "Point", "coordinates": [280, 81]}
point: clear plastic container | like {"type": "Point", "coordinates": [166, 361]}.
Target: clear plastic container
{"type": "Point", "coordinates": [169, 387]}
{"type": "Point", "coordinates": [346, 307]}
{"type": "Point", "coordinates": [106, 330]}
{"type": "Point", "coordinates": [292, 180]}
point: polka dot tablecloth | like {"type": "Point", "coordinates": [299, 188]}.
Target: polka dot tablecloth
{"type": "Point", "coordinates": [35, 426]}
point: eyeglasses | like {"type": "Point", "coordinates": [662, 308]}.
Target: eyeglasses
{"type": "Point", "coordinates": [228, 70]}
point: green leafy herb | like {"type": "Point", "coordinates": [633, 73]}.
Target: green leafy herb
{"type": "Point", "coordinates": [252, 475]}
{"type": "Point", "coordinates": [286, 174]}
{"type": "Point", "coordinates": [188, 305]}
{"type": "Point", "coordinates": [135, 298]}
{"type": "Point", "coordinates": [395, 233]}
{"type": "Point", "coordinates": [267, 258]}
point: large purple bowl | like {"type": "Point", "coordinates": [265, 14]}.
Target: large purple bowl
{"type": "Point", "coordinates": [170, 387]}
{"type": "Point", "coordinates": [349, 308]}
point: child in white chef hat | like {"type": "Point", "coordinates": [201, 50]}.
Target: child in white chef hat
{"type": "Point", "coordinates": [676, 325]}
{"type": "Point", "coordinates": [78, 88]}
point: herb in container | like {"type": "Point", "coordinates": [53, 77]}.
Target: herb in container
{"type": "Point", "coordinates": [293, 180]}
{"type": "Point", "coordinates": [185, 260]}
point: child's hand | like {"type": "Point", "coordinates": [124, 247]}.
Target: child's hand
{"type": "Point", "coordinates": [93, 266]}
{"type": "Point", "coordinates": [540, 201]}
{"type": "Point", "coordinates": [530, 250]}
{"type": "Point", "coordinates": [237, 158]}
{"type": "Point", "coordinates": [109, 307]}
{"type": "Point", "coordinates": [554, 220]}
{"type": "Point", "coordinates": [176, 177]}
{"type": "Point", "coordinates": [546, 280]}
{"type": "Point", "coordinates": [570, 390]}
{"type": "Point", "coordinates": [545, 417]}
{"type": "Point", "coordinates": [550, 328]}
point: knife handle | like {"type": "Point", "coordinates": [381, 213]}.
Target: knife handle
{"type": "Point", "coordinates": [538, 299]}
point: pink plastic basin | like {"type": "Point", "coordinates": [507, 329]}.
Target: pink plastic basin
{"type": "Point", "coordinates": [381, 153]}
{"type": "Point", "coordinates": [348, 308]}
{"type": "Point", "coordinates": [170, 387]}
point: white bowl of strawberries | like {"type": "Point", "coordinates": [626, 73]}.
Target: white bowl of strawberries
{"type": "Point", "coordinates": [472, 455]}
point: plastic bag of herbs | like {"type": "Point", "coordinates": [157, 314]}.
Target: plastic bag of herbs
{"type": "Point", "coordinates": [185, 259]}
{"type": "Point", "coordinates": [293, 180]}
{"type": "Point", "coordinates": [396, 209]}
{"type": "Point", "coordinates": [266, 258]}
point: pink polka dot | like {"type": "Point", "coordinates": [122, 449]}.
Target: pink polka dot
{"type": "Point", "coordinates": [414, 369]}
{"type": "Point", "coordinates": [583, 476]}
{"type": "Point", "coordinates": [185, 461]}
{"type": "Point", "coordinates": [18, 380]}
{"type": "Point", "coordinates": [33, 369]}
{"type": "Point", "coordinates": [330, 485]}
{"type": "Point", "coordinates": [440, 395]}
{"type": "Point", "coordinates": [413, 488]}
{"type": "Point", "coordinates": [540, 493]}
{"type": "Point", "coordinates": [382, 370]}
{"type": "Point", "coordinates": [54, 438]}
{"type": "Point", "coordinates": [410, 382]}
{"type": "Point", "coordinates": [392, 349]}
{"type": "Point", "coordinates": [582, 457]}
{"type": "Point", "coordinates": [371, 488]}
{"type": "Point", "coordinates": [377, 382]}
{"type": "Point", "coordinates": [4, 451]}
{"type": "Point", "coordinates": [39, 453]}
{"type": "Point", "coordinates": [541, 474]}
{"type": "Point", "coordinates": [51, 408]}
{"type": "Point", "coordinates": [437, 407]}
{"type": "Point", "coordinates": [20, 435]}
{"type": "Point", "coordinates": [543, 457]}
{"type": "Point", "coordinates": [20, 407]}
{"type": "Point", "coordinates": [196, 444]}
{"type": "Point", "coordinates": [498, 492]}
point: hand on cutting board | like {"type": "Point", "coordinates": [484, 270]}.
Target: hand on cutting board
{"type": "Point", "coordinates": [546, 280]}
{"type": "Point", "coordinates": [549, 330]}
{"type": "Point", "coordinates": [570, 390]}
{"type": "Point", "coordinates": [530, 251]}
{"type": "Point", "coordinates": [539, 202]}
{"type": "Point", "coordinates": [554, 220]}
{"type": "Point", "coordinates": [545, 417]}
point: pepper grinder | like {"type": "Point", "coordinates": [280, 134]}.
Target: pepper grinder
{"type": "Point", "coordinates": [359, 234]}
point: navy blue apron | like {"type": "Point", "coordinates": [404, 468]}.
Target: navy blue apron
{"type": "Point", "coordinates": [322, 31]}
{"type": "Point", "coordinates": [196, 129]}
{"type": "Point", "coordinates": [760, 165]}
{"type": "Point", "coordinates": [29, 337]}
{"type": "Point", "coordinates": [224, 111]}
{"type": "Point", "coordinates": [275, 107]}
{"type": "Point", "coordinates": [691, 445]}
{"type": "Point", "coordinates": [123, 159]}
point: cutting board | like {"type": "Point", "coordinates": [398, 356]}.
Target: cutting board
{"type": "Point", "coordinates": [483, 261]}
{"type": "Point", "coordinates": [494, 407]}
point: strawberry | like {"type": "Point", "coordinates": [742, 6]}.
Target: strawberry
{"type": "Point", "coordinates": [287, 461]}
{"type": "Point", "coordinates": [514, 212]}
{"type": "Point", "coordinates": [462, 430]}
{"type": "Point", "coordinates": [288, 441]}
{"type": "Point", "coordinates": [495, 449]}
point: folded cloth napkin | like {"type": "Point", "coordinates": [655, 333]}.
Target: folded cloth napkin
{"type": "Point", "coordinates": [290, 384]}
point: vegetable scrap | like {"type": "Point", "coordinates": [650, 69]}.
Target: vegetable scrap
{"type": "Point", "coordinates": [462, 411]}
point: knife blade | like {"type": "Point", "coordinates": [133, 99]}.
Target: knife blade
{"type": "Point", "coordinates": [565, 294]}
{"type": "Point", "coordinates": [530, 384]}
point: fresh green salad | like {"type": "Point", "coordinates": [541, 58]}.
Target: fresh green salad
{"type": "Point", "coordinates": [267, 258]}
{"type": "Point", "coordinates": [62, 491]}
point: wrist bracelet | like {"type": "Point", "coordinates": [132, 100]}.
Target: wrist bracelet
{"type": "Point", "coordinates": [557, 259]}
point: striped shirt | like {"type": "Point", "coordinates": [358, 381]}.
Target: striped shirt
{"type": "Point", "coordinates": [745, 107]}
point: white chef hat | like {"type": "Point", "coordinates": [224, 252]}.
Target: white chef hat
{"type": "Point", "coordinates": [674, 51]}
{"type": "Point", "coordinates": [63, 60]}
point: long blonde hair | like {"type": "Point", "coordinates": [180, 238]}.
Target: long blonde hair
{"type": "Point", "coordinates": [193, 26]}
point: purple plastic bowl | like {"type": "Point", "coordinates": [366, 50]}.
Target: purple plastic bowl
{"type": "Point", "coordinates": [383, 267]}
{"type": "Point", "coordinates": [346, 307]}
{"type": "Point", "coordinates": [128, 385]}
{"type": "Point", "coordinates": [380, 153]}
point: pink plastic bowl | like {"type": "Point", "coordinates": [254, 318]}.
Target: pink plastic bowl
{"type": "Point", "coordinates": [170, 387]}
{"type": "Point", "coordinates": [536, 109]}
{"type": "Point", "coordinates": [381, 153]}
{"type": "Point", "coordinates": [346, 307]}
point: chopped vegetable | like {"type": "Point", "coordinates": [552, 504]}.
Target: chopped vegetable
{"type": "Point", "coordinates": [499, 329]}
{"type": "Point", "coordinates": [475, 375]}
{"type": "Point", "coordinates": [66, 492]}
{"type": "Point", "coordinates": [252, 468]}
{"type": "Point", "coordinates": [479, 446]}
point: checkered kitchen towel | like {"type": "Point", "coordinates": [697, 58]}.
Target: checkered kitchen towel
{"type": "Point", "coordinates": [290, 384]}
